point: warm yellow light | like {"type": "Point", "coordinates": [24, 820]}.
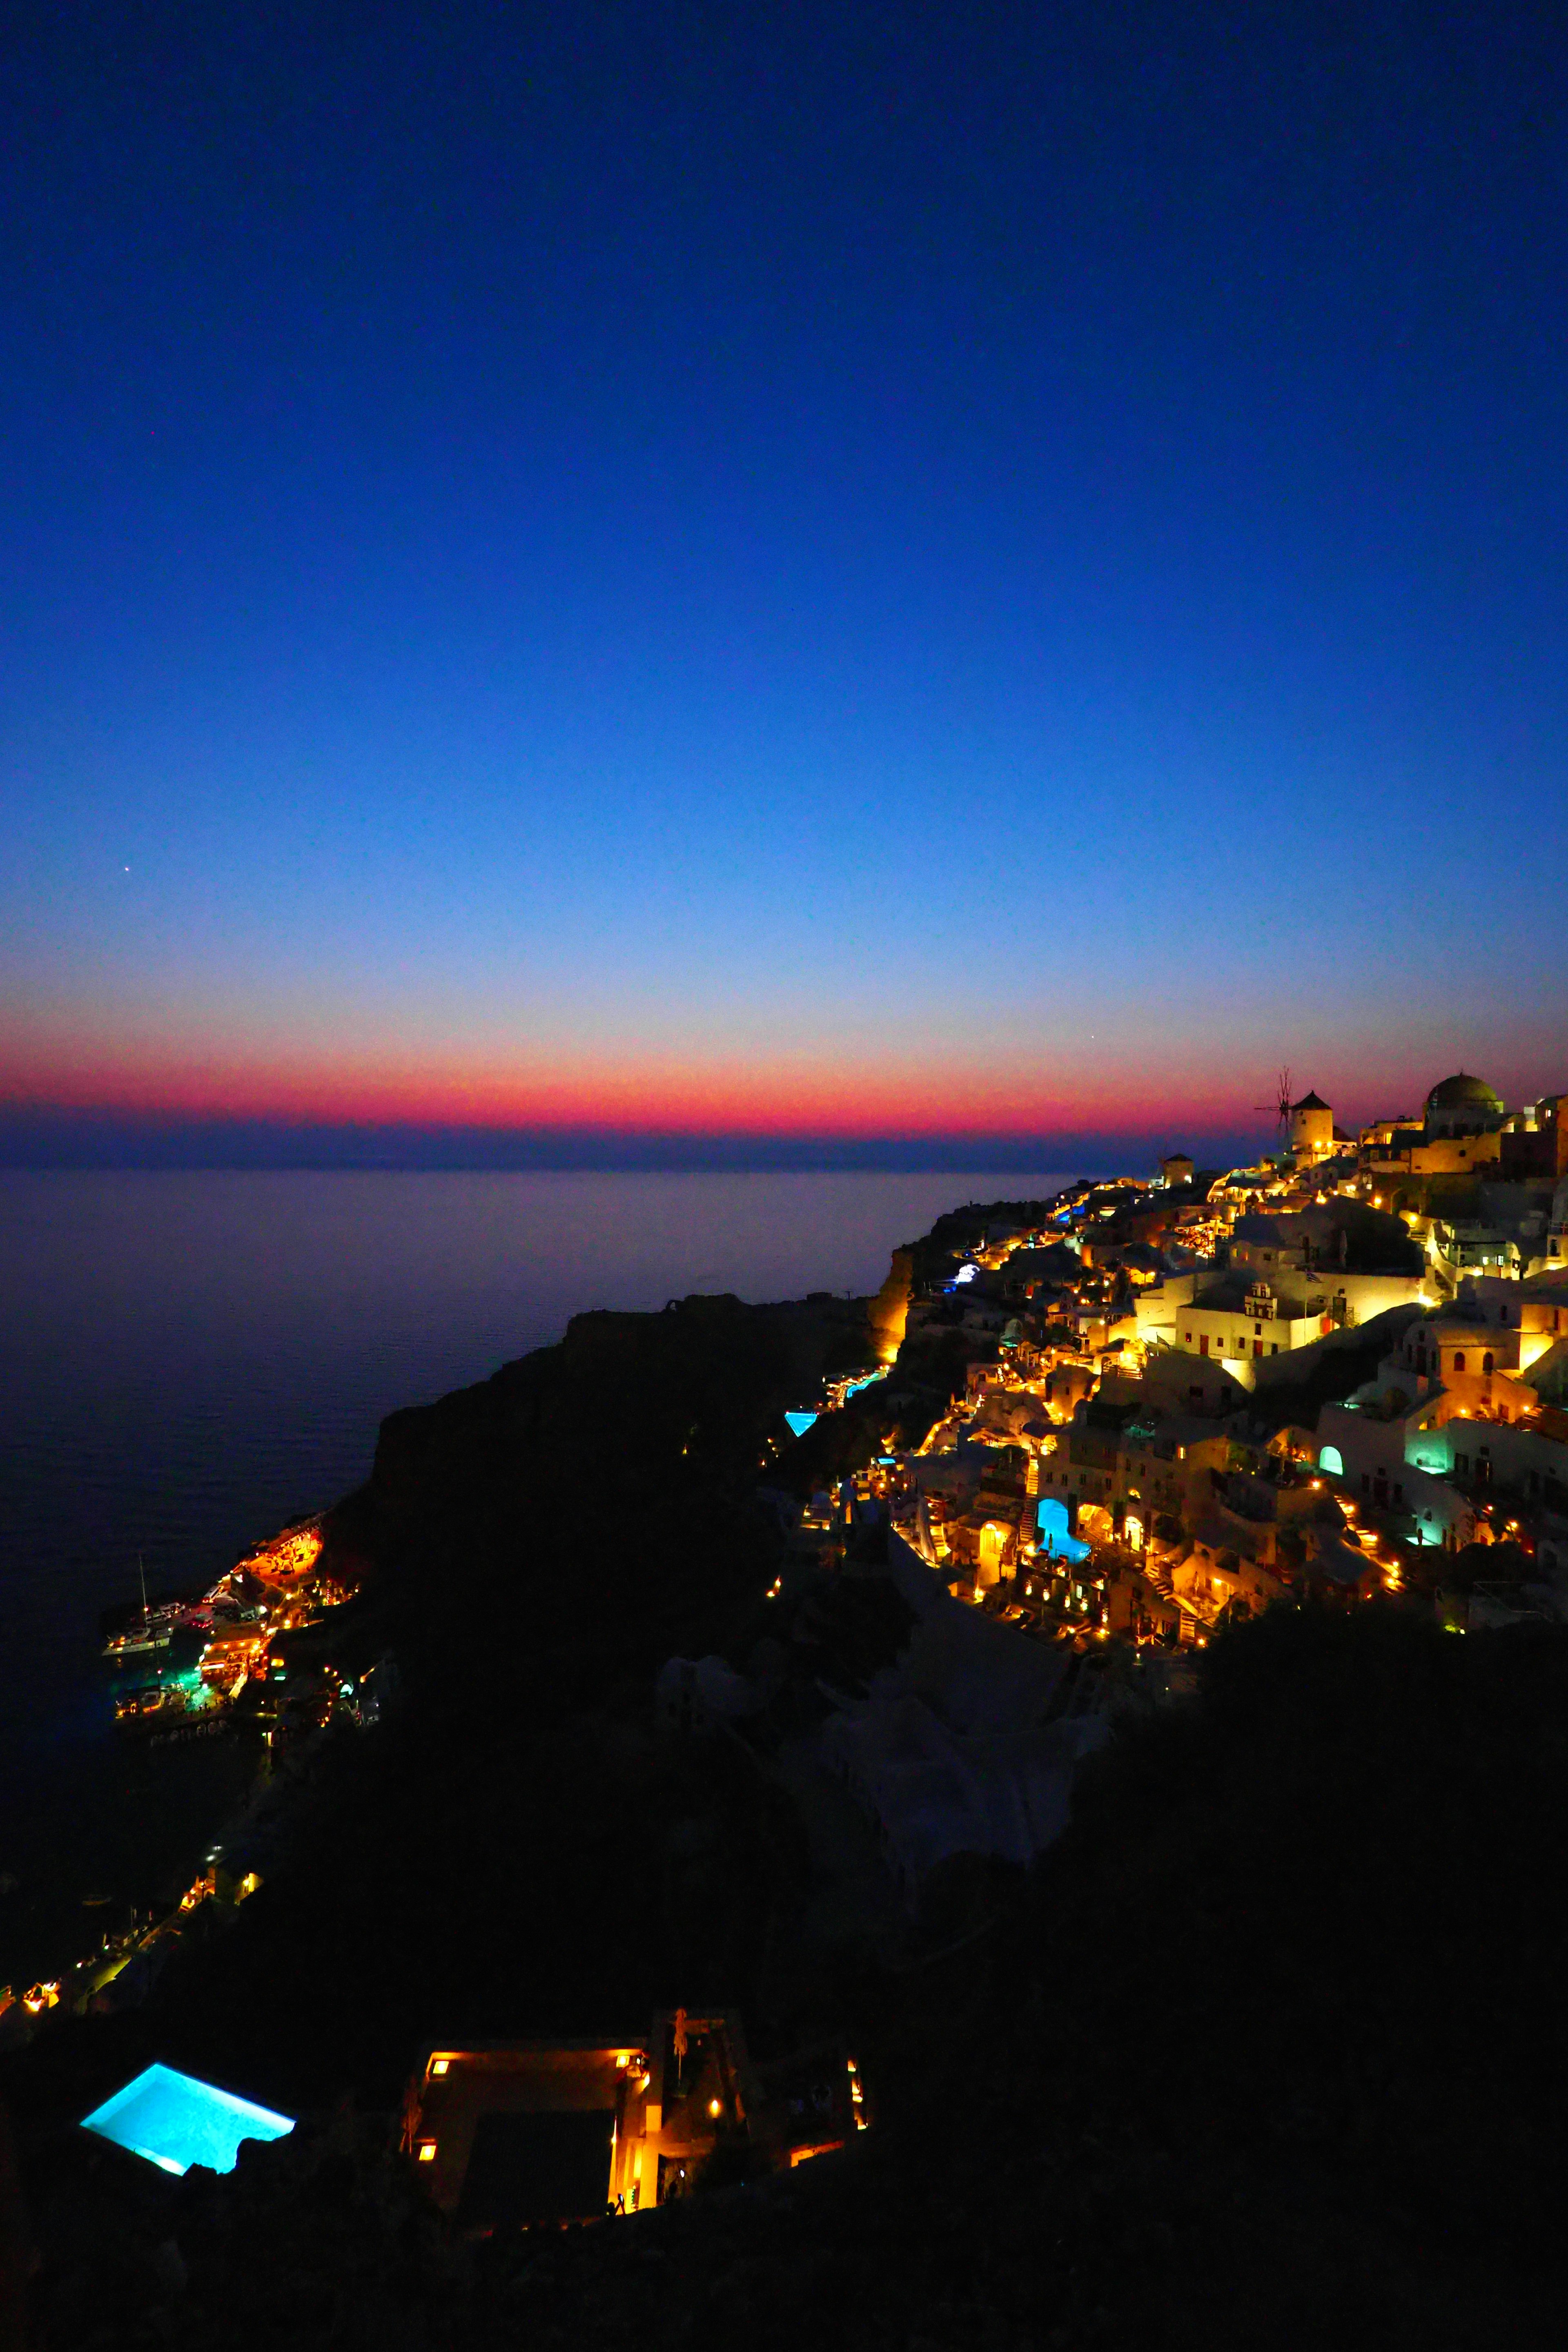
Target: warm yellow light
{"type": "Point", "coordinates": [426, 2151]}
{"type": "Point", "coordinates": [439, 2066]}
{"type": "Point", "coordinates": [715, 2106]}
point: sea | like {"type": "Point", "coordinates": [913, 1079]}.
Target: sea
{"type": "Point", "coordinates": [190, 1359]}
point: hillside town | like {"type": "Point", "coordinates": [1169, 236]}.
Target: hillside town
{"type": "Point", "coordinates": [1334, 1377]}
{"type": "Point", "coordinates": [1161, 1373]}
{"type": "Point", "coordinates": [1340, 1372]}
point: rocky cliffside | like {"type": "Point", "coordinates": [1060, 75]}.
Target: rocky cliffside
{"type": "Point", "coordinates": [493, 1860]}
{"type": "Point", "coordinates": [888, 1311]}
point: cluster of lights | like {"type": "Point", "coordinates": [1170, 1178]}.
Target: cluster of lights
{"type": "Point", "coordinates": [1383, 1554]}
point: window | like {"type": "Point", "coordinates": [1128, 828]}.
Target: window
{"type": "Point", "coordinates": [1274, 1347]}
{"type": "Point", "coordinates": [1458, 1360]}
{"type": "Point", "coordinates": [1487, 1361]}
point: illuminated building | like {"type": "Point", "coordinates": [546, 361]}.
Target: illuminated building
{"type": "Point", "coordinates": [1462, 1109]}
{"type": "Point", "coordinates": [513, 2135]}
{"type": "Point", "coordinates": [1311, 1128]}
{"type": "Point", "coordinates": [1534, 1142]}
{"type": "Point", "coordinates": [1460, 1133]}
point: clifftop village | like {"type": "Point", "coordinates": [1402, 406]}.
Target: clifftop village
{"type": "Point", "coordinates": [1340, 1375]}
{"type": "Point", "coordinates": [1331, 1373]}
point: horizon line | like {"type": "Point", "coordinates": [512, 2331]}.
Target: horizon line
{"type": "Point", "coordinates": [38, 1138]}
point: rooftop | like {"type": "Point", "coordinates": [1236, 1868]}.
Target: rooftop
{"type": "Point", "coordinates": [1451, 1094]}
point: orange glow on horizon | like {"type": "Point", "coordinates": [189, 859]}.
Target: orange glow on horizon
{"type": "Point", "coordinates": [661, 1098]}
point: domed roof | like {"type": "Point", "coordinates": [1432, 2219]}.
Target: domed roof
{"type": "Point", "coordinates": [1460, 1090]}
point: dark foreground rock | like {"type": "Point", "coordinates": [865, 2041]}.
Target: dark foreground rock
{"type": "Point", "coordinates": [1270, 2053]}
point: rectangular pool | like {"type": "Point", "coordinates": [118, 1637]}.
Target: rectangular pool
{"type": "Point", "coordinates": [175, 2121]}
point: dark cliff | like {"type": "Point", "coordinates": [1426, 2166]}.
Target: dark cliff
{"type": "Point", "coordinates": [500, 1857]}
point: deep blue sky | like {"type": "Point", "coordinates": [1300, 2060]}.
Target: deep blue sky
{"type": "Point", "coordinates": [870, 570]}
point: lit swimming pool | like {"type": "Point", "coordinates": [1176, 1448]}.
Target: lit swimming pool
{"type": "Point", "coordinates": [175, 2121]}
{"type": "Point", "coordinates": [1052, 1521]}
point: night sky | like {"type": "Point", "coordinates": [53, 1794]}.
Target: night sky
{"type": "Point", "coordinates": [850, 579]}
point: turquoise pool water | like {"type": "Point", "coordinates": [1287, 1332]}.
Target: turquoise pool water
{"type": "Point", "coordinates": [1052, 1521]}
{"type": "Point", "coordinates": [175, 2121]}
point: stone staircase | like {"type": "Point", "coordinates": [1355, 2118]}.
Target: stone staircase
{"type": "Point", "coordinates": [1192, 1625]}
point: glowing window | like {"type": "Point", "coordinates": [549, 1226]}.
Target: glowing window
{"type": "Point", "coordinates": [1331, 1460]}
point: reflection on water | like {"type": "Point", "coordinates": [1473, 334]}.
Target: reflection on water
{"type": "Point", "coordinates": [189, 1361]}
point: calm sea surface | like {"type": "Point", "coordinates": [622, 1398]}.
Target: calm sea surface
{"type": "Point", "coordinates": [188, 1360]}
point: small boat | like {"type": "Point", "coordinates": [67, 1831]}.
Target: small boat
{"type": "Point", "coordinates": [137, 1639]}
{"type": "Point", "coordinates": [152, 1629]}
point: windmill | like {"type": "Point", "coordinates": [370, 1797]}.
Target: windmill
{"type": "Point", "coordinates": [1280, 1106]}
